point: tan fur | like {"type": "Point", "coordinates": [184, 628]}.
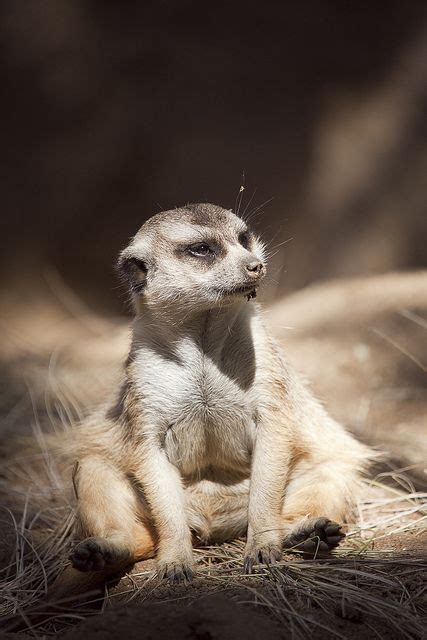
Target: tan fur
{"type": "Point", "coordinates": [213, 435]}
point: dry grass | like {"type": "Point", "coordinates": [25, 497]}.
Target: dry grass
{"type": "Point", "coordinates": [373, 577]}
{"type": "Point", "coordinates": [352, 584]}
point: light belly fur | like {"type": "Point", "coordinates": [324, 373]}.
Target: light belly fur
{"type": "Point", "coordinates": [197, 447]}
{"type": "Point", "coordinates": [214, 429]}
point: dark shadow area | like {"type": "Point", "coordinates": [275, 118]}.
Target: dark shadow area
{"type": "Point", "coordinates": [114, 111]}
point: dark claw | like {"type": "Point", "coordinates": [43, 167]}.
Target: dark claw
{"type": "Point", "coordinates": [188, 574]}
{"type": "Point", "coordinates": [248, 565]}
{"type": "Point", "coordinates": [334, 540]}
{"type": "Point", "coordinates": [267, 557]}
{"type": "Point", "coordinates": [177, 575]}
{"type": "Point", "coordinates": [174, 577]}
{"type": "Point", "coordinates": [169, 576]}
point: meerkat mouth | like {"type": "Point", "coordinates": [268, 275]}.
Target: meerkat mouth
{"type": "Point", "coordinates": [248, 291]}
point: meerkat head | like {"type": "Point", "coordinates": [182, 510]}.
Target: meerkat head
{"type": "Point", "coordinates": [198, 256]}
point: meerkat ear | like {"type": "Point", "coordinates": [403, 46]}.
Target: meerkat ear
{"type": "Point", "coordinates": [134, 272]}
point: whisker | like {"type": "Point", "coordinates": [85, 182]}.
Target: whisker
{"type": "Point", "coordinates": [249, 203]}
{"type": "Point", "coordinates": [253, 213]}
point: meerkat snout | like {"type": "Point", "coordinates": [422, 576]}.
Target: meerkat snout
{"type": "Point", "coordinates": [255, 268]}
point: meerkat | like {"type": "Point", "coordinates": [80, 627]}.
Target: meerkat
{"type": "Point", "coordinates": [213, 435]}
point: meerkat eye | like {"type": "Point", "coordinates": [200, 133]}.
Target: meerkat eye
{"type": "Point", "coordinates": [244, 238]}
{"type": "Point", "coordinates": [200, 250]}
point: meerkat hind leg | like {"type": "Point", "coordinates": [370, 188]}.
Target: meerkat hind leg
{"type": "Point", "coordinates": [95, 554]}
{"type": "Point", "coordinates": [316, 502]}
{"type": "Point", "coordinates": [109, 520]}
{"type": "Point", "coordinates": [314, 536]}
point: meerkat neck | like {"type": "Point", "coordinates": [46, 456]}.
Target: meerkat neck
{"type": "Point", "coordinates": [208, 329]}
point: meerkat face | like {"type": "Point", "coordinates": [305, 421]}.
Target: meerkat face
{"type": "Point", "coordinates": [198, 256]}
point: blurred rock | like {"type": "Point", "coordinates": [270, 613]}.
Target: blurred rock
{"type": "Point", "coordinates": [363, 345]}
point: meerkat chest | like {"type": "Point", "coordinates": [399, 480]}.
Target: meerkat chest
{"type": "Point", "coordinates": [206, 410]}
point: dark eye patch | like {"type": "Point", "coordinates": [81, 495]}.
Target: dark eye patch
{"type": "Point", "coordinates": [201, 250]}
{"type": "Point", "coordinates": [139, 264]}
{"type": "Point", "coordinates": [244, 239]}
{"type": "Point", "coordinates": [206, 251]}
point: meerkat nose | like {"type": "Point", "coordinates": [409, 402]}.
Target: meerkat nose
{"type": "Point", "coordinates": [254, 267]}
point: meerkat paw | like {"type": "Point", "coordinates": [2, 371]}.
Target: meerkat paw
{"type": "Point", "coordinates": [263, 551]}
{"type": "Point", "coordinates": [175, 565]}
{"type": "Point", "coordinates": [175, 572]}
{"type": "Point", "coordinates": [95, 554]}
{"type": "Point", "coordinates": [315, 536]}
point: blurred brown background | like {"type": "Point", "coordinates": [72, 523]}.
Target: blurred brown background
{"type": "Point", "coordinates": [112, 111]}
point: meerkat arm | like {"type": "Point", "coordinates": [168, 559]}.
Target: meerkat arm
{"type": "Point", "coordinates": [270, 469]}
{"type": "Point", "coordinates": [165, 494]}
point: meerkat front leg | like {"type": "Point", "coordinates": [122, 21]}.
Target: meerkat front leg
{"type": "Point", "coordinates": [163, 488]}
{"type": "Point", "coordinates": [270, 466]}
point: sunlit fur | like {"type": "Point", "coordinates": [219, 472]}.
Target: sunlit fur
{"type": "Point", "coordinates": [212, 435]}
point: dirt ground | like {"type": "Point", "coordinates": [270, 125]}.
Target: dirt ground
{"type": "Point", "coordinates": [362, 344]}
